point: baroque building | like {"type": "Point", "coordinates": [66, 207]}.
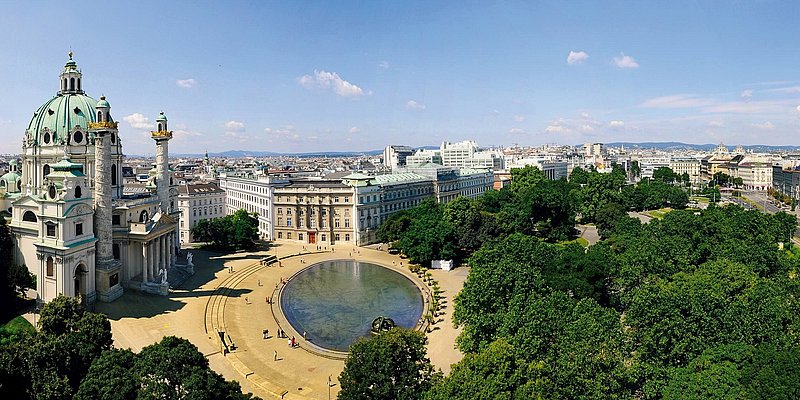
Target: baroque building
{"type": "Point", "coordinates": [72, 223]}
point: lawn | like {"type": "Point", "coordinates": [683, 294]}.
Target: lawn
{"type": "Point", "coordinates": [13, 329]}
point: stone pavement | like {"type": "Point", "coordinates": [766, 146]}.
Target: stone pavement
{"type": "Point", "coordinates": [216, 298]}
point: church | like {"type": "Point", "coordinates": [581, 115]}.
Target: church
{"type": "Point", "coordinates": [73, 224]}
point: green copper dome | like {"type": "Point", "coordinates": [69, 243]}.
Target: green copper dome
{"type": "Point", "coordinates": [68, 109]}
{"type": "Point", "coordinates": [10, 181]}
{"type": "Point", "coordinates": [60, 114]}
{"type": "Point", "coordinates": [103, 102]}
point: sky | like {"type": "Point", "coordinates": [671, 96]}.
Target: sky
{"type": "Point", "coordinates": [297, 76]}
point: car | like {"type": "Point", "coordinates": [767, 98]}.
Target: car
{"type": "Point", "coordinates": [394, 250]}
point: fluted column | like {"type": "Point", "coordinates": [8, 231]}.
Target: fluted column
{"type": "Point", "coordinates": [145, 266]}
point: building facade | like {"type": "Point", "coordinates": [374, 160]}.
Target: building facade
{"type": "Point", "coordinates": [786, 180]}
{"type": "Point", "coordinates": [253, 193]}
{"type": "Point", "coordinates": [197, 202]}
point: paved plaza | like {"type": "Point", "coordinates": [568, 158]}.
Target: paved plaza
{"type": "Point", "coordinates": [230, 292]}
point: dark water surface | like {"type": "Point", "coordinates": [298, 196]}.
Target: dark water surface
{"type": "Point", "coordinates": [334, 302]}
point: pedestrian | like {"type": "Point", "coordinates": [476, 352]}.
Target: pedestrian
{"type": "Point", "coordinates": [275, 355]}
{"type": "Point", "coordinates": [289, 342]}
{"type": "Point", "coordinates": [294, 343]}
{"type": "Point", "coordinates": [305, 335]}
{"type": "Point", "coordinates": [266, 333]}
{"type": "Point", "coordinates": [259, 282]}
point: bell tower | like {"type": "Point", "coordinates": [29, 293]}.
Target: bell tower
{"type": "Point", "coordinates": [71, 78]}
{"type": "Point", "coordinates": [107, 269]}
{"type": "Point", "coordinates": [162, 137]}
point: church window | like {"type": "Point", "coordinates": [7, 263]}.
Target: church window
{"type": "Point", "coordinates": [78, 192]}
{"type": "Point", "coordinates": [51, 229]}
{"type": "Point", "coordinates": [46, 137]}
{"type": "Point", "coordinates": [114, 174]}
{"type": "Point", "coordinates": [46, 170]}
{"type": "Point", "coordinates": [78, 229]}
{"type": "Point", "coordinates": [71, 83]}
{"type": "Point", "coordinates": [50, 267]}
{"type": "Point", "coordinates": [77, 137]}
{"type": "Point", "coordinates": [52, 192]}
{"type": "Point", "coordinates": [115, 250]}
{"type": "Point", "coordinates": [115, 219]}
{"type": "Point", "coordinates": [143, 216]}
{"type": "Point", "coordinates": [29, 216]}
{"type": "Point", "coordinates": [99, 116]}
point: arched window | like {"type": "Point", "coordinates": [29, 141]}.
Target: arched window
{"type": "Point", "coordinates": [113, 174]}
{"type": "Point", "coordinates": [99, 116]}
{"type": "Point", "coordinates": [3, 183]}
{"type": "Point", "coordinates": [46, 170]}
{"type": "Point", "coordinates": [71, 83]}
{"type": "Point", "coordinates": [79, 83]}
{"type": "Point", "coordinates": [143, 216]}
{"type": "Point", "coordinates": [50, 267]}
{"type": "Point", "coordinates": [78, 192]}
{"type": "Point", "coordinates": [29, 216]}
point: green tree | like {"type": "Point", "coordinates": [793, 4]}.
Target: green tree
{"type": "Point", "coordinates": [494, 373]}
{"type": "Point", "coordinates": [232, 232]}
{"type": "Point", "coordinates": [111, 377]}
{"type": "Point", "coordinates": [174, 369]}
{"type": "Point", "coordinates": [393, 228]}
{"type": "Point", "coordinates": [391, 365]}
{"type": "Point", "coordinates": [526, 177]}
{"type": "Point", "coordinates": [665, 174]}
{"type": "Point", "coordinates": [429, 236]}
{"type": "Point", "coordinates": [14, 279]}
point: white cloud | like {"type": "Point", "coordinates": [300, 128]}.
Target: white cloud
{"type": "Point", "coordinates": [519, 118]}
{"type": "Point", "coordinates": [616, 124]}
{"type": "Point", "coordinates": [413, 105]}
{"type": "Point", "coordinates": [798, 109]}
{"type": "Point", "coordinates": [766, 126]}
{"type": "Point", "coordinates": [678, 101]}
{"type": "Point", "coordinates": [138, 121]}
{"type": "Point", "coordinates": [576, 57]}
{"type": "Point", "coordinates": [286, 132]}
{"type": "Point", "coordinates": [354, 130]}
{"type": "Point", "coordinates": [516, 131]}
{"type": "Point", "coordinates": [383, 65]}
{"type": "Point", "coordinates": [716, 124]}
{"type": "Point", "coordinates": [625, 62]}
{"type": "Point", "coordinates": [234, 126]}
{"type": "Point", "coordinates": [186, 83]}
{"type": "Point", "coordinates": [587, 128]}
{"type": "Point", "coordinates": [746, 94]}
{"type": "Point", "coordinates": [585, 115]}
{"type": "Point", "coordinates": [789, 90]}
{"type": "Point", "coordinates": [331, 80]}
{"type": "Point", "coordinates": [555, 129]}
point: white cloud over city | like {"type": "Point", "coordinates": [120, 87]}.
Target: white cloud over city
{"type": "Point", "coordinates": [414, 105]}
{"type": "Point", "coordinates": [577, 57]}
{"type": "Point", "coordinates": [625, 62]}
{"type": "Point", "coordinates": [138, 121]}
{"type": "Point", "coordinates": [186, 83]}
{"type": "Point", "coordinates": [331, 81]}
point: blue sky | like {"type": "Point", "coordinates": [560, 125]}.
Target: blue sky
{"type": "Point", "coordinates": [314, 76]}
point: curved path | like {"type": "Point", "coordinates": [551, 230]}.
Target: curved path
{"type": "Point", "coordinates": [216, 299]}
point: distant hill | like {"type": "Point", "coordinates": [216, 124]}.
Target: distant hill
{"type": "Point", "coordinates": [252, 153]}
{"type": "Point", "coordinates": [702, 147]}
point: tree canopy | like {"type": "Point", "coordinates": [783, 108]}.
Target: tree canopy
{"type": "Point", "coordinates": [238, 231]}
{"type": "Point", "coordinates": [390, 365]}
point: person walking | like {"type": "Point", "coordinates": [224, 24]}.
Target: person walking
{"type": "Point", "coordinates": [275, 355]}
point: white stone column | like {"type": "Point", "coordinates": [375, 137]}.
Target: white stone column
{"type": "Point", "coordinates": [102, 197]}
{"type": "Point", "coordinates": [163, 240]}
{"type": "Point", "coordinates": [145, 265]}
{"type": "Point", "coordinates": [151, 247]}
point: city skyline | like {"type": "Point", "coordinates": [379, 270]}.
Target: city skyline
{"type": "Point", "coordinates": [304, 77]}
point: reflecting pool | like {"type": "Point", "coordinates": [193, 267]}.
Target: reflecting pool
{"type": "Point", "coordinates": [334, 302]}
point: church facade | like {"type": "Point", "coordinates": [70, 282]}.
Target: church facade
{"type": "Point", "coordinates": [72, 222]}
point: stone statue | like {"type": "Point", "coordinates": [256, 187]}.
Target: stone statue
{"type": "Point", "coordinates": [164, 277]}
{"type": "Point", "coordinates": [189, 259]}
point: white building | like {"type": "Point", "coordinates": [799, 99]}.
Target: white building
{"type": "Point", "coordinates": [197, 202]}
{"type": "Point", "coordinates": [253, 193]}
{"type": "Point", "coordinates": [394, 156]}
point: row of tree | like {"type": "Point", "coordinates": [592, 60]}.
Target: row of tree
{"type": "Point", "coordinates": [532, 205]}
{"type": "Point", "coordinates": [697, 305]}
{"type": "Point", "coordinates": [237, 231]}
{"type": "Point", "coordinates": [14, 278]}
{"type": "Point", "coordinates": [72, 357]}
